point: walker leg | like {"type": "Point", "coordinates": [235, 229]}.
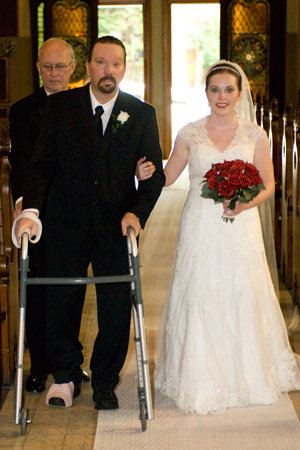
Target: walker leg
{"type": "Point", "coordinates": [144, 388]}
{"type": "Point", "coordinates": [143, 417]}
{"type": "Point", "coordinates": [21, 413]}
{"type": "Point", "coordinates": [24, 421]}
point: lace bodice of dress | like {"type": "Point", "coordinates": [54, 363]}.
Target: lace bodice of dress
{"type": "Point", "coordinates": [202, 151]}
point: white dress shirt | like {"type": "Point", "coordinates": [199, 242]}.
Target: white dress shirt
{"type": "Point", "coordinates": [107, 107]}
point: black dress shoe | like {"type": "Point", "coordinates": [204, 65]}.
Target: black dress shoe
{"type": "Point", "coordinates": [84, 376]}
{"type": "Point", "coordinates": [105, 400]}
{"type": "Point", "coordinates": [35, 384]}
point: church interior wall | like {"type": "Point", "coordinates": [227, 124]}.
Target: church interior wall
{"type": "Point", "coordinates": [157, 60]}
{"type": "Point", "coordinates": [15, 26]}
{"type": "Point", "coordinates": [292, 74]}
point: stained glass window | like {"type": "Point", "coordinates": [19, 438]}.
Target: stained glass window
{"type": "Point", "coordinates": [40, 30]}
{"type": "Point", "coordinates": [249, 42]}
{"type": "Point", "coordinates": [71, 22]}
{"type": "Point", "coordinates": [40, 24]}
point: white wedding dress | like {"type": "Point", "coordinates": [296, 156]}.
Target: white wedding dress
{"type": "Point", "coordinates": [224, 342]}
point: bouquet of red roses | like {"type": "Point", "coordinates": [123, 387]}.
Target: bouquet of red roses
{"type": "Point", "coordinates": [233, 180]}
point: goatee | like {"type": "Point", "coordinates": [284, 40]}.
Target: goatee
{"type": "Point", "coordinates": [107, 89]}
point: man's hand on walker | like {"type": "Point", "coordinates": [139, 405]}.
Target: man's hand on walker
{"type": "Point", "coordinates": [25, 224]}
{"type": "Point", "coordinates": [130, 220]}
{"type": "Point", "coordinates": [18, 209]}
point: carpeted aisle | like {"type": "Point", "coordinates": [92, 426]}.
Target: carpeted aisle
{"type": "Point", "coordinates": [261, 427]}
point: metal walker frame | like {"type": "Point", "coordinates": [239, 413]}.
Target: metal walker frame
{"type": "Point", "coordinates": [144, 388]}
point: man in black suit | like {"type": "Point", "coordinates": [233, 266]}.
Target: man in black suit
{"type": "Point", "coordinates": [55, 64]}
{"type": "Point", "coordinates": [88, 168]}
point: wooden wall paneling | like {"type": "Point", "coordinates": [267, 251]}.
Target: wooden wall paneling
{"type": "Point", "coordinates": [4, 87]}
{"type": "Point", "coordinates": [296, 217]}
{"type": "Point", "coordinates": [8, 18]}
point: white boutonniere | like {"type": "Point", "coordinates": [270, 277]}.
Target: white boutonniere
{"type": "Point", "coordinates": [119, 121]}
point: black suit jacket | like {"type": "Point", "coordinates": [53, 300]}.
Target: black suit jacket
{"type": "Point", "coordinates": [25, 118]}
{"type": "Point", "coordinates": [90, 180]}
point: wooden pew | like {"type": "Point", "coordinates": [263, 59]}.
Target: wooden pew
{"type": "Point", "coordinates": [268, 118]}
{"type": "Point", "coordinates": [276, 129]}
{"type": "Point", "coordinates": [296, 216]}
{"type": "Point", "coordinates": [8, 267]}
{"type": "Point", "coordinates": [286, 258]}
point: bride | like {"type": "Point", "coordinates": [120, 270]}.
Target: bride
{"type": "Point", "coordinates": [224, 340]}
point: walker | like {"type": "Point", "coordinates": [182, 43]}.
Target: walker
{"type": "Point", "coordinates": [144, 388]}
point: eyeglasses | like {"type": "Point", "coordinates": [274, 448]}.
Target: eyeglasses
{"type": "Point", "coordinates": [57, 67]}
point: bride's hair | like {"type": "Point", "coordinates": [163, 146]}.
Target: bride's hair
{"type": "Point", "coordinates": [244, 107]}
{"type": "Point", "coordinates": [224, 68]}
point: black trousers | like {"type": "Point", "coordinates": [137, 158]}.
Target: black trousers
{"type": "Point", "coordinates": [36, 308]}
{"type": "Point", "coordinates": [108, 254]}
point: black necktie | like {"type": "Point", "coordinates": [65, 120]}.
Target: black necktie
{"type": "Point", "coordinates": [98, 120]}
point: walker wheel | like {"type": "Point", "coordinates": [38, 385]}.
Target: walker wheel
{"type": "Point", "coordinates": [143, 416]}
{"type": "Point", "coordinates": [24, 421]}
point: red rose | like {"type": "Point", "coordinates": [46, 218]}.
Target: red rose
{"type": "Point", "coordinates": [245, 181]}
{"type": "Point", "coordinates": [212, 181]}
{"type": "Point", "coordinates": [234, 179]}
{"type": "Point", "coordinates": [227, 164]}
{"type": "Point", "coordinates": [257, 179]}
{"type": "Point", "coordinates": [225, 172]}
{"type": "Point", "coordinates": [218, 166]}
{"type": "Point", "coordinates": [210, 173]}
{"type": "Point", "coordinates": [224, 188]}
{"type": "Point", "coordinates": [238, 166]}
{"type": "Point", "coordinates": [253, 173]}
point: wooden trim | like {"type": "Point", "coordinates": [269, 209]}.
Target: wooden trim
{"type": "Point", "coordinates": [167, 74]}
{"type": "Point", "coordinates": [147, 52]}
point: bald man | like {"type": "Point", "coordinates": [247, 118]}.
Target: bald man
{"type": "Point", "coordinates": [55, 63]}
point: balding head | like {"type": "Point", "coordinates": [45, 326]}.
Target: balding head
{"type": "Point", "coordinates": [56, 64]}
{"type": "Point", "coordinates": [54, 44]}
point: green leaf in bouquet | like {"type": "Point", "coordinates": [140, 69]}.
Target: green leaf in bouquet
{"type": "Point", "coordinates": [206, 191]}
{"type": "Point", "coordinates": [247, 196]}
{"type": "Point", "coordinates": [228, 219]}
{"type": "Point", "coordinates": [233, 202]}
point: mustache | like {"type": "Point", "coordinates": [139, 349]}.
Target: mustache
{"type": "Point", "coordinates": [107, 78]}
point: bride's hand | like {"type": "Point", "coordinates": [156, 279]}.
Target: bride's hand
{"type": "Point", "coordinates": [144, 169]}
{"type": "Point", "coordinates": [239, 207]}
